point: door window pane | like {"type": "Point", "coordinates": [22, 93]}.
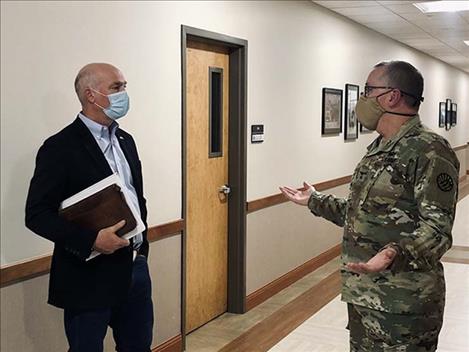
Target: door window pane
{"type": "Point", "coordinates": [216, 112]}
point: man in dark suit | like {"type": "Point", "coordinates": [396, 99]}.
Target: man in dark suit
{"type": "Point", "coordinates": [113, 289]}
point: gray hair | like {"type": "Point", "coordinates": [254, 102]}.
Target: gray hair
{"type": "Point", "coordinates": [405, 77]}
{"type": "Point", "coordinates": [85, 78]}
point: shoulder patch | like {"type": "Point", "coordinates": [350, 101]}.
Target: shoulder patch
{"type": "Point", "coordinates": [445, 182]}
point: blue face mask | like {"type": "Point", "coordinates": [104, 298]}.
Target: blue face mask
{"type": "Point", "coordinates": [118, 104]}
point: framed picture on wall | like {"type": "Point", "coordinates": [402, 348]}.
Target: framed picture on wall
{"type": "Point", "coordinates": [442, 114]}
{"type": "Point", "coordinates": [448, 114]}
{"type": "Point", "coordinates": [350, 121]}
{"type": "Point", "coordinates": [454, 111]}
{"type": "Point", "coordinates": [331, 111]}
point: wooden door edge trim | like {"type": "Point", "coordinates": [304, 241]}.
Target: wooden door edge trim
{"type": "Point", "coordinates": [455, 260]}
{"type": "Point", "coordinates": [31, 268]}
{"type": "Point", "coordinates": [264, 293]}
{"type": "Point", "coordinates": [269, 201]}
{"type": "Point", "coordinates": [279, 198]}
{"type": "Point", "coordinates": [28, 269]}
{"type": "Point", "coordinates": [169, 229]}
{"type": "Point", "coordinates": [174, 344]}
{"type": "Point", "coordinates": [460, 147]}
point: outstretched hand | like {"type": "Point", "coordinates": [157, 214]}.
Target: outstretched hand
{"type": "Point", "coordinates": [301, 196]}
{"type": "Point", "coordinates": [376, 264]}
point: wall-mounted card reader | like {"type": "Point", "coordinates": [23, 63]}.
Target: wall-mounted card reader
{"type": "Point", "coordinates": [257, 133]}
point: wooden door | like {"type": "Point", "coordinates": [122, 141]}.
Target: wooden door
{"type": "Point", "coordinates": [207, 172]}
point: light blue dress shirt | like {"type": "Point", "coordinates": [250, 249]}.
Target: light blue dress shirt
{"type": "Point", "coordinates": [109, 145]}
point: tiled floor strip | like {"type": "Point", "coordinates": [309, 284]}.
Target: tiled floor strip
{"type": "Point", "coordinates": [267, 333]}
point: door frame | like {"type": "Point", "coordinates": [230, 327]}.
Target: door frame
{"type": "Point", "coordinates": [236, 166]}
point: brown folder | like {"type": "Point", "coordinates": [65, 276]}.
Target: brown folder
{"type": "Point", "coordinates": [100, 210]}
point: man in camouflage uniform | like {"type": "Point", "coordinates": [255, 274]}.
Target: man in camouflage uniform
{"type": "Point", "coordinates": [397, 219]}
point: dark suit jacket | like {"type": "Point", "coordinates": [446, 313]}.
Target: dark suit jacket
{"type": "Point", "coordinates": [67, 163]}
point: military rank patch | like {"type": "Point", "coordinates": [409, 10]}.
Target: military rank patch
{"type": "Point", "coordinates": [445, 182]}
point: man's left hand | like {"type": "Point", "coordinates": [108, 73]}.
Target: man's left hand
{"type": "Point", "coordinates": [376, 264]}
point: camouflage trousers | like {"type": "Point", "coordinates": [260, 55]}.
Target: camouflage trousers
{"type": "Point", "coordinates": [372, 330]}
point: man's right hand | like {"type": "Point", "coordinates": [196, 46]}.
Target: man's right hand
{"type": "Point", "coordinates": [107, 242]}
{"type": "Point", "coordinates": [301, 196]}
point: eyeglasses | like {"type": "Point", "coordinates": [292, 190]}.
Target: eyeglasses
{"type": "Point", "coordinates": [369, 89]}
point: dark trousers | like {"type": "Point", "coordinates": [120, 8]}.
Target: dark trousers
{"type": "Point", "coordinates": [131, 322]}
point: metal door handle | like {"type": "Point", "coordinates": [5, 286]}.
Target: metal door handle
{"type": "Point", "coordinates": [225, 189]}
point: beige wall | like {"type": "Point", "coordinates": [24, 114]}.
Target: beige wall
{"type": "Point", "coordinates": [462, 155]}
{"type": "Point", "coordinates": [283, 237]}
{"type": "Point", "coordinates": [28, 324]}
{"type": "Point", "coordinates": [295, 49]}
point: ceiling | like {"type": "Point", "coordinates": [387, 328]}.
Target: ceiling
{"type": "Point", "coordinates": [440, 35]}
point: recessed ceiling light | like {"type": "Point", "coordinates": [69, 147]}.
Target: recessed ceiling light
{"type": "Point", "coordinates": [442, 6]}
{"type": "Point", "coordinates": [466, 42]}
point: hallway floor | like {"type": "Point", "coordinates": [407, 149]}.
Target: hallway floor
{"type": "Point", "coordinates": [309, 316]}
{"type": "Point", "coordinates": [325, 332]}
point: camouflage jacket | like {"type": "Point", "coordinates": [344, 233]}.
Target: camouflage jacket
{"type": "Point", "coordinates": [404, 191]}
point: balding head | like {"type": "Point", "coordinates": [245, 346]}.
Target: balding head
{"type": "Point", "coordinates": [405, 77]}
{"type": "Point", "coordinates": [90, 76]}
